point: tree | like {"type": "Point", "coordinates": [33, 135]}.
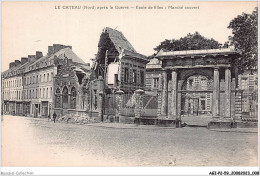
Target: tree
{"type": "Point", "coordinates": [190, 42]}
{"type": "Point", "coordinates": [244, 30]}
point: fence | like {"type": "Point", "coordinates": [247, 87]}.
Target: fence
{"type": "Point", "coordinates": [150, 105]}
{"type": "Point", "coordinates": [128, 105]}
{"type": "Point", "coordinates": [110, 104]}
{"type": "Point", "coordinates": [249, 105]}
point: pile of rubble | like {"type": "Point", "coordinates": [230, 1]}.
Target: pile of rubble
{"type": "Point", "coordinates": [75, 118]}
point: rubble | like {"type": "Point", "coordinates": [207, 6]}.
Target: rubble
{"type": "Point", "coordinates": [77, 119]}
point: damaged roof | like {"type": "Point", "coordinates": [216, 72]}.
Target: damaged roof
{"type": "Point", "coordinates": [119, 40]}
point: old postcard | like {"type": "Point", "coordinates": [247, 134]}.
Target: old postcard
{"type": "Point", "coordinates": [130, 84]}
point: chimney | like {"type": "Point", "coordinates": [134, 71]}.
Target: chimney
{"type": "Point", "coordinates": [17, 62]}
{"type": "Point", "coordinates": [31, 58]}
{"type": "Point", "coordinates": [50, 50]}
{"type": "Point", "coordinates": [58, 47]}
{"type": "Point", "coordinates": [11, 65]}
{"type": "Point", "coordinates": [38, 54]}
{"type": "Point", "coordinates": [24, 60]}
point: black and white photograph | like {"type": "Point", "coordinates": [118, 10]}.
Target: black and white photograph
{"type": "Point", "coordinates": [130, 84]}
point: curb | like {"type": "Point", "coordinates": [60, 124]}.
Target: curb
{"type": "Point", "coordinates": [233, 131]}
{"type": "Point", "coordinates": [140, 128]}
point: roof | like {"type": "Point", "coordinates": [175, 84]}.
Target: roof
{"type": "Point", "coordinates": [119, 40]}
{"type": "Point", "coordinates": [67, 51]}
{"type": "Point", "coordinates": [134, 54]}
{"type": "Point", "coordinates": [15, 68]}
{"type": "Point", "coordinates": [197, 52]}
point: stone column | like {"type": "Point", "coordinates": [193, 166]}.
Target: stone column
{"type": "Point", "coordinates": [160, 95]}
{"type": "Point", "coordinates": [227, 93]}
{"type": "Point", "coordinates": [139, 104]}
{"type": "Point", "coordinates": [164, 94]}
{"type": "Point", "coordinates": [119, 100]}
{"type": "Point", "coordinates": [215, 97]}
{"type": "Point", "coordinates": [100, 104]}
{"type": "Point", "coordinates": [174, 95]}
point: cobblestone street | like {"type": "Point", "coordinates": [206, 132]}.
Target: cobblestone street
{"type": "Point", "coordinates": [37, 142]}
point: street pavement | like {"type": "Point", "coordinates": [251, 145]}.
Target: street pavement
{"type": "Point", "coordinates": [39, 142]}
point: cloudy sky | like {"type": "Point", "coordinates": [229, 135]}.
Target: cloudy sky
{"type": "Point", "coordinates": [33, 26]}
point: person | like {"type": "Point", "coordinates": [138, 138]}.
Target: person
{"type": "Point", "coordinates": [54, 116]}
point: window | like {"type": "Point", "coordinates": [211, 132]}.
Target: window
{"type": "Point", "coordinates": [48, 77]}
{"type": "Point", "coordinates": [203, 104]}
{"type": "Point", "coordinates": [51, 76]}
{"type": "Point", "coordinates": [47, 93]}
{"type": "Point", "coordinates": [36, 93]}
{"type": "Point", "coordinates": [40, 78]}
{"type": "Point", "coordinates": [40, 95]}
{"type": "Point", "coordinates": [44, 78]}
{"type": "Point", "coordinates": [95, 99]}
{"type": "Point", "coordinates": [126, 75]}
{"type": "Point", "coordinates": [134, 76]}
{"type": "Point", "coordinates": [156, 83]}
{"type": "Point", "coordinates": [43, 93]}
{"type": "Point", "coordinates": [244, 83]}
{"type": "Point", "coordinates": [142, 78]}
{"type": "Point", "coordinates": [37, 79]}
{"type": "Point", "coordinates": [57, 98]}
{"type": "Point", "coordinates": [65, 97]}
{"type": "Point", "coordinates": [73, 98]}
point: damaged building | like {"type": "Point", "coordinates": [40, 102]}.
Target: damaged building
{"type": "Point", "coordinates": [118, 63]}
{"type": "Point", "coordinates": [118, 66]}
{"type": "Point", "coordinates": [70, 83]}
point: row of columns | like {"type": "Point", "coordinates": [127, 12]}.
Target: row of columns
{"type": "Point", "coordinates": [174, 110]}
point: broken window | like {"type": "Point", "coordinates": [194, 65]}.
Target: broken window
{"type": "Point", "coordinates": [80, 77]}
{"type": "Point", "coordinates": [73, 98]}
{"type": "Point", "coordinates": [65, 97]}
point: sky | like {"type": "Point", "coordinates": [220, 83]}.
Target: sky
{"type": "Point", "coordinates": [28, 27]}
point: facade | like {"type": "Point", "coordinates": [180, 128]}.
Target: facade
{"type": "Point", "coordinates": [28, 85]}
{"type": "Point", "coordinates": [12, 87]}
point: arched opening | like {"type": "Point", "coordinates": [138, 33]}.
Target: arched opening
{"type": "Point", "coordinates": [57, 98]}
{"type": "Point", "coordinates": [73, 98]}
{"type": "Point", "coordinates": [65, 98]}
{"type": "Point", "coordinates": [196, 96]}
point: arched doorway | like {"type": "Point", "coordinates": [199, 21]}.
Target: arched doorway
{"type": "Point", "coordinates": [196, 96]}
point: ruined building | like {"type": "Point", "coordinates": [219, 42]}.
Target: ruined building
{"type": "Point", "coordinates": [118, 63]}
